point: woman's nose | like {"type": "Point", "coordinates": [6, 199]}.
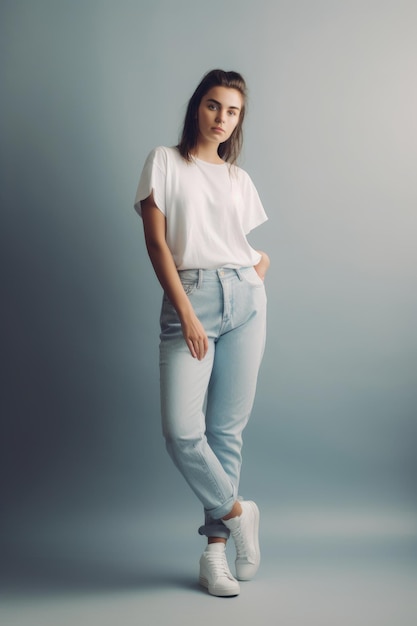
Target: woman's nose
{"type": "Point", "coordinates": [220, 116]}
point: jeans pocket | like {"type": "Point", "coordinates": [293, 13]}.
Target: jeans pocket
{"type": "Point", "coordinates": [251, 276]}
{"type": "Point", "coordinates": [188, 286]}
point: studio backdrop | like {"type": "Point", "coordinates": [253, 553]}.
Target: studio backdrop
{"type": "Point", "coordinates": [88, 89]}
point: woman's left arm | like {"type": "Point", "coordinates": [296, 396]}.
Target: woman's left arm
{"type": "Point", "coordinates": [263, 265]}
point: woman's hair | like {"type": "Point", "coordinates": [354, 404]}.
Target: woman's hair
{"type": "Point", "coordinates": [230, 149]}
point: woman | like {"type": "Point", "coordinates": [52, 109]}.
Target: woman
{"type": "Point", "coordinates": [197, 207]}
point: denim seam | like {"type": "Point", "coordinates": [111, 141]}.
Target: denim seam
{"type": "Point", "coordinates": [215, 484]}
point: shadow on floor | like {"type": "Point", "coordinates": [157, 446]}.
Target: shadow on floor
{"type": "Point", "coordinates": [76, 573]}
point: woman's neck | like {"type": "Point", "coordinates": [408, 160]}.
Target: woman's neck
{"type": "Point", "coordinates": [207, 152]}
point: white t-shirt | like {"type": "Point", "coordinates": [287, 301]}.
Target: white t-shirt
{"type": "Point", "coordinates": [209, 209]}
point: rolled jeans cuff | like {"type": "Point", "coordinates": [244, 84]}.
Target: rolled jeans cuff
{"type": "Point", "coordinates": [214, 530]}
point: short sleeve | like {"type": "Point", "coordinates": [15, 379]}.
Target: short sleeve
{"type": "Point", "coordinates": [153, 178]}
{"type": "Point", "coordinates": [253, 212]}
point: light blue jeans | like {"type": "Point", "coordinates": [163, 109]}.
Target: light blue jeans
{"type": "Point", "coordinates": [206, 404]}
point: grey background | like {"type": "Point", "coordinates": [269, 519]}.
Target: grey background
{"type": "Point", "coordinates": [88, 89]}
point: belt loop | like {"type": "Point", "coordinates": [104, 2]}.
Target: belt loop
{"type": "Point", "coordinates": [238, 273]}
{"type": "Point", "coordinates": [200, 278]}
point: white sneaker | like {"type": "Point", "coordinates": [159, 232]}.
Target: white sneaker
{"type": "Point", "coordinates": [245, 532]}
{"type": "Point", "coordinates": [215, 574]}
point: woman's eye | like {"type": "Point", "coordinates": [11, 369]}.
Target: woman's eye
{"type": "Point", "coordinates": [212, 107]}
{"type": "Point", "coordinates": [232, 113]}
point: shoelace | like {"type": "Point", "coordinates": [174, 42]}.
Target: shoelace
{"type": "Point", "coordinates": [218, 562]}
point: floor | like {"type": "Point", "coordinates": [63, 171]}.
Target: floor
{"type": "Point", "coordinates": [355, 572]}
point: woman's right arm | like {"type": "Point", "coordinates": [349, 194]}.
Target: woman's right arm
{"type": "Point", "coordinates": [154, 224]}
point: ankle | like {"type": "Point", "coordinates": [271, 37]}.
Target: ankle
{"type": "Point", "coordinates": [235, 512]}
{"type": "Point", "coordinates": [211, 540]}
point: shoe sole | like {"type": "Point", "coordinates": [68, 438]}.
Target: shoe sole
{"type": "Point", "coordinates": [221, 594]}
{"type": "Point", "coordinates": [254, 507]}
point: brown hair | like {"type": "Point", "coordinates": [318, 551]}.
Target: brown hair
{"type": "Point", "coordinates": [230, 149]}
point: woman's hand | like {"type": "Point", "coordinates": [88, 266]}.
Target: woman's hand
{"type": "Point", "coordinates": [194, 335]}
{"type": "Point", "coordinates": [263, 265]}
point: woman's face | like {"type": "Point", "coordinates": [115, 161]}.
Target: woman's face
{"type": "Point", "coordinates": [218, 114]}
